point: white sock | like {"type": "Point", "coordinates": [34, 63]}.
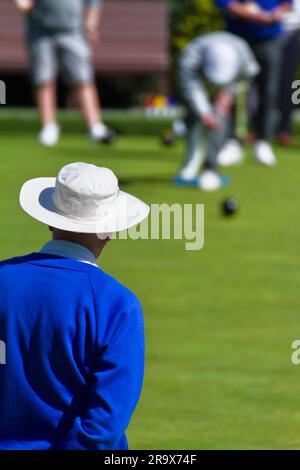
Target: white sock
{"type": "Point", "coordinates": [50, 126]}
{"type": "Point", "coordinates": [98, 130]}
{"type": "Point", "coordinates": [49, 134]}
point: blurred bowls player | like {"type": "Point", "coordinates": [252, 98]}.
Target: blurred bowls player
{"type": "Point", "coordinates": [210, 72]}
{"type": "Point", "coordinates": [58, 37]}
{"type": "Point", "coordinates": [260, 23]}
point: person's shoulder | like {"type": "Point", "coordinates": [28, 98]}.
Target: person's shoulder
{"type": "Point", "coordinates": [111, 285]}
{"type": "Point", "coordinates": [220, 35]}
{"type": "Point", "coordinates": [204, 40]}
{"type": "Point", "coordinates": [229, 38]}
{"type": "Point", "coordinates": [17, 260]}
{"type": "Point", "coordinates": [234, 38]}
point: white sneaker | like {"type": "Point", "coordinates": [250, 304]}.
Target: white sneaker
{"type": "Point", "coordinates": [98, 131]}
{"type": "Point", "coordinates": [231, 153]}
{"type": "Point", "coordinates": [191, 170]}
{"type": "Point", "coordinates": [209, 181]}
{"type": "Point", "coordinates": [179, 128]}
{"type": "Point", "coordinates": [263, 153]}
{"type": "Point", "coordinates": [188, 173]}
{"type": "Point", "coordinates": [49, 135]}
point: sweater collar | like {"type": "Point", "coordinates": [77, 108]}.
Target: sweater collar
{"type": "Point", "coordinates": [67, 249]}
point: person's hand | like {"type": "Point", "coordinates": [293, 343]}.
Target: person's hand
{"type": "Point", "coordinates": [250, 11]}
{"type": "Point", "coordinates": [224, 102]}
{"type": "Point", "coordinates": [258, 14]}
{"type": "Point", "coordinates": [24, 6]}
{"type": "Point", "coordinates": [210, 121]}
{"type": "Point", "coordinates": [91, 25]}
{"type": "Point", "coordinates": [278, 13]}
{"type": "Point", "coordinates": [263, 17]}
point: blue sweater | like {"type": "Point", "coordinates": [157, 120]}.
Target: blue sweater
{"type": "Point", "coordinates": [248, 29]}
{"type": "Point", "coordinates": [74, 355]}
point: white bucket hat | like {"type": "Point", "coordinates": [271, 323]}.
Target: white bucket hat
{"type": "Point", "coordinates": [221, 63]}
{"type": "Point", "coordinates": [83, 198]}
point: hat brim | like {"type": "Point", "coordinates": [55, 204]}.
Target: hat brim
{"type": "Point", "coordinates": [125, 212]}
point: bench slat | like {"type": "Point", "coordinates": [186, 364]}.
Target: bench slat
{"type": "Point", "coordinates": [134, 36]}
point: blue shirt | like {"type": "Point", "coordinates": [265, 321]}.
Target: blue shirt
{"type": "Point", "coordinates": [71, 250]}
{"type": "Point", "coordinates": [249, 29]}
{"type": "Point", "coordinates": [74, 354]}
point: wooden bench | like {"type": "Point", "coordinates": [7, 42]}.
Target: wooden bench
{"type": "Point", "coordinates": [134, 38]}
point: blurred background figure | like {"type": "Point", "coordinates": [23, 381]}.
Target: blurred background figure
{"type": "Point", "coordinates": [210, 69]}
{"type": "Point", "coordinates": [290, 61]}
{"type": "Point", "coordinates": [58, 32]}
{"type": "Point", "coordinates": [261, 25]}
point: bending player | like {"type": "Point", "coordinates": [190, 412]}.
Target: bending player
{"type": "Point", "coordinates": [211, 69]}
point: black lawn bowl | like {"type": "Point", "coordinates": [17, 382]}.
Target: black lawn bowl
{"type": "Point", "coordinates": [229, 207]}
{"type": "Point", "coordinates": [168, 138]}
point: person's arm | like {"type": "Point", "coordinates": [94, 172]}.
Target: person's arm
{"type": "Point", "coordinates": [92, 19]}
{"type": "Point", "coordinates": [249, 65]}
{"type": "Point", "coordinates": [196, 95]}
{"type": "Point", "coordinates": [224, 102]}
{"type": "Point", "coordinates": [193, 88]}
{"type": "Point", "coordinates": [245, 11]}
{"type": "Point", "coordinates": [114, 386]}
{"type": "Point", "coordinates": [24, 6]}
{"type": "Point", "coordinates": [279, 12]}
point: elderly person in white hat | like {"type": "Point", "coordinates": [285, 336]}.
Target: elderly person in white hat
{"type": "Point", "coordinates": [74, 335]}
{"type": "Point", "coordinates": [210, 70]}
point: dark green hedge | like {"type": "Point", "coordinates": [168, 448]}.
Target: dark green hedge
{"type": "Point", "coordinates": [124, 122]}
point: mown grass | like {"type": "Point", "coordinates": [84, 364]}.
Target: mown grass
{"type": "Point", "coordinates": [220, 321]}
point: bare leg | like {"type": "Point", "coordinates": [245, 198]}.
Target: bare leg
{"type": "Point", "coordinates": [46, 101]}
{"type": "Point", "coordinates": [89, 102]}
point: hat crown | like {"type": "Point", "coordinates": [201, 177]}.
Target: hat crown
{"type": "Point", "coordinates": [83, 190]}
